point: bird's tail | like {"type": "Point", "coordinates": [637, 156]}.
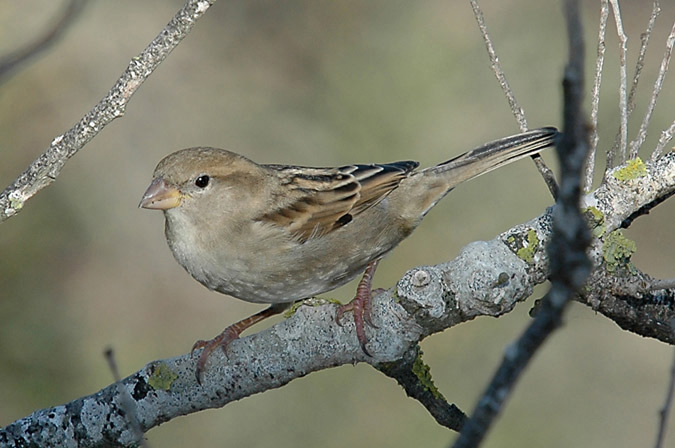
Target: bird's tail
{"type": "Point", "coordinates": [431, 184]}
{"type": "Point", "coordinates": [493, 155]}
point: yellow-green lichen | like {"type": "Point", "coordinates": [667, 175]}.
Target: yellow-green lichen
{"type": "Point", "coordinates": [162, 377]}
{"type": "Point", "coordinates": [596, 221]}
{"type": "Point", "coordinates": [16, 200]}
{"type": "Point", "coordinates": [617, 250]}
{"type": "Point", "coordinates": [423, 374]}
{"type": "Point", "coordinates": [313, 301]}
{"type": "Point", "coordinates": [634, 169]}
{"type": "Point", "coordinates": [529, 247]}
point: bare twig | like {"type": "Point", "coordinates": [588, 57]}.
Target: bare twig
{"type": "Point", "coordinates": [109, 355]}
{"type": "Point", "coordinates": [547, 174]}
{"type": "Point", "coordinates": [595, 97]}
{"type": "Point", "coordinates": [44, 170]}
{"type": "Point", "coordinates": [639, 65]}
{"type": "Point", "coordinates": [623, 109]}
{"type": "Point", "coordinates": [516, 110]}
{"type": "Point", "coordinates": [12, 61]}
{"type": "Point", "coordinates": [126, 401]}
{"type": "Point", "coordinates": [658, 84]}
{"type": "Point", "coordinates": [664, 413]}
{"type": "Point", "coordinates": [666, 137]}
{"type": "Point", "coordinates": [621, 292]}
{"type": "Point", "coordinates": [570, 265]}
{"type": "Point", "coordinates": [667, 134]}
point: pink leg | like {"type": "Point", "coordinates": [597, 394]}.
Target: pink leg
{"type": "Point", "coordinates": [230, 334]}
{"type": "Point", "coordinates": [361, 305]}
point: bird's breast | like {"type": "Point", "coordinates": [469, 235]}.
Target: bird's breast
{"type": "Point", "coordinates": [262, 263]}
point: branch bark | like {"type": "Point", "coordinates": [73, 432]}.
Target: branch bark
{"type": "Point", "coordinates": [45, 169]}
{"type": "Point", "coordinates": [488, 278]}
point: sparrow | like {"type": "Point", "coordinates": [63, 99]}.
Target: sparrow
{"type": "Point", "coordinates": [276, 234]}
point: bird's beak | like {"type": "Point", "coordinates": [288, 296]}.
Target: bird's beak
{"type": "Point", "coordinates": [160, 196]}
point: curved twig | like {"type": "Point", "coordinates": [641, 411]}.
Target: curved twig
{"type": "Point", "coordinates": [44, 170]}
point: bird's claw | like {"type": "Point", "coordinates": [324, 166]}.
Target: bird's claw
{"type": "Point", "coordinates": [361, 305]}
{"type": "Point", "coordinates": [222, 340]}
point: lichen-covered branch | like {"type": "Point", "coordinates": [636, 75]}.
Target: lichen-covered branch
{"type": "Point", "coordinates": [488, 278]}
{"type": "Point", "coordinates": [44, 170]}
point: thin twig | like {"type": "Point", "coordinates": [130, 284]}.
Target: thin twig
{"type": "Point", "coordinates": [12, 61]}
{"type": "Point", "coordinates": [516, 110]}
{"type": "Point", "coordinates": [595, 98]}
{"type": "Point", "coordinates": [658, 85]}
{"type": "Point", "coordinates": [664, 413]}
{"type": "Point", "coordinates": [569, 263]}
{"type": "Point", "coordinates": [639, 65]}
{"type": "Point", "coordinates": [109, 355]}
{"type": "Point", "coordinates": [126, 401]}
{"type": "Point", "coordinates": [668, 134]}
{"type": "Point", "coordinates": [44, 170]}
{"type": "Point", "coordinates": [666, 137]}
{"type": "Point", "coordinates": [623, 100]}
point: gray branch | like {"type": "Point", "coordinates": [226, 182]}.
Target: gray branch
{"type": "Point", "coordinates": [488, 278]}
{"type": "Point", "coordinates": [44, 170]}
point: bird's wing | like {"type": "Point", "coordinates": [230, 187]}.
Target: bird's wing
{"type": "Point", "coordinates": [316, 201]}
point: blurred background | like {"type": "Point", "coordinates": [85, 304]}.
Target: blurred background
{"type": "Point", "coordinates": [83, 268]}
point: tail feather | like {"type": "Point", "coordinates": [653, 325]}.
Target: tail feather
{"type": "Point", "coordinates": [430, 185]}
{"type": "Point", "coordinates": [493, 155]}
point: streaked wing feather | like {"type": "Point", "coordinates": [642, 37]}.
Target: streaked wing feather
{"type": "Point", "coordinates": [317, 201]}
{"type": "Point", "coordinates": [376, 185]}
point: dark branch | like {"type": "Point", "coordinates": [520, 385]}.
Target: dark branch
{"type": "Point", "coordinates": [13, 61]}
{"type": "Point", "coordinates": [414, 376]}
{"type": "Point", "coordinates": [629, 298]}
{"type": "Point", "coordinates": [645, 209]}
{"type": "Point", "coordinates": [664, 413]}
{"type": "Point", "coordinates": [567, 250]}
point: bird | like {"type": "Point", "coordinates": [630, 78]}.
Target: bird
{"type": "Point", "coordinates": [275, 234]}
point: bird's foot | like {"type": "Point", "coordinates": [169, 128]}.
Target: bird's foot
{"type": "Point", "coordinates": [222, 340]}
{"type": "Point", "coordinates": [361, 306]}
{"type": "Point", "coordinates": [230, 334]}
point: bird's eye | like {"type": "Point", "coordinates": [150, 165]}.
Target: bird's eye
{"type": "Point", "coordinates": [202, 181]}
